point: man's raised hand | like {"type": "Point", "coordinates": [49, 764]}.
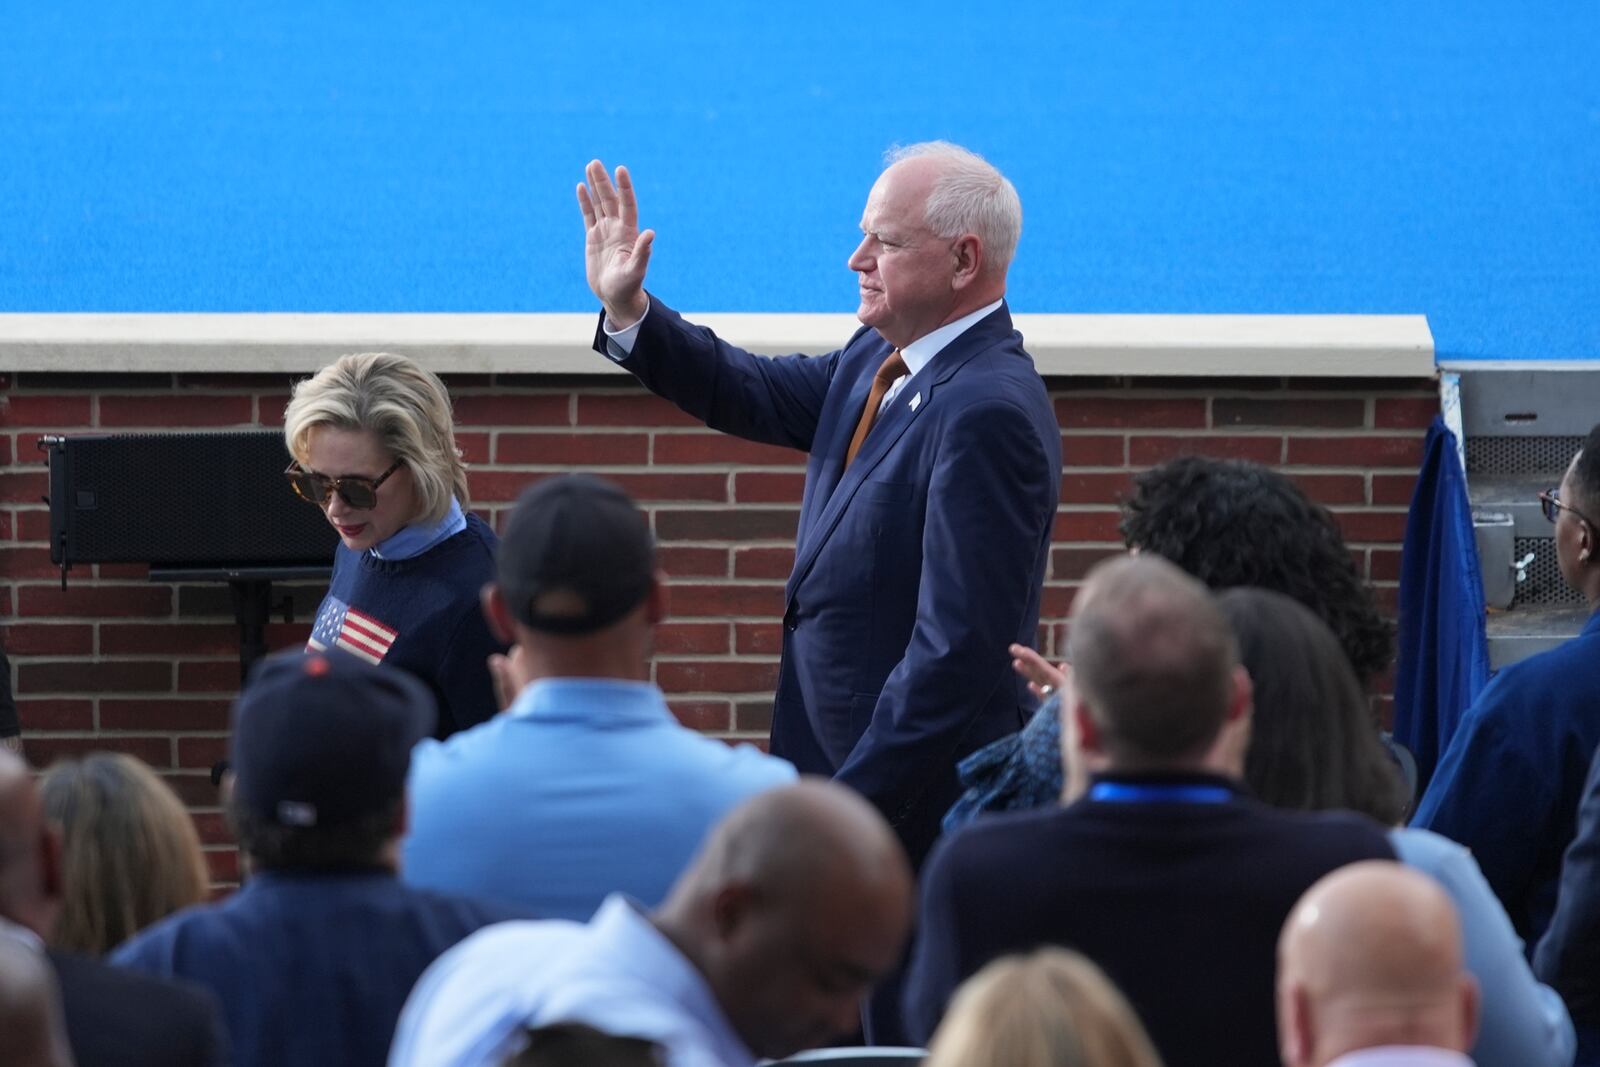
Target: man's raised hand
{"type": "Point", "coordinates": [616, 254]}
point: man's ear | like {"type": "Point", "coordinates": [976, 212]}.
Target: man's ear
{"type": "Point", "coordinates": [51, 862]}
{"type": "Point", "coordinates": [1296, 1042]}
{"type": "Point", "coordinates": [1242, 704]}
{"type": "Point", "coordinates": [729, 908]}
{"type": "Point", "coordinates": [1471, 1008]}
{"type": "Point", "coordinates": [497, 613]}
{"type": "Point", "coordinates": [1089, 739]}
{"type": "Point", "coordinates": [969, 259]}
{"type": "Point", "coordinates": [655, 606]}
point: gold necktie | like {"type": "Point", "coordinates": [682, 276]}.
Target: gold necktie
{"type": "Point", "coordinates": [892, 370]}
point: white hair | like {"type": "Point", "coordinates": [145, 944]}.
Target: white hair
{"type": "Point", "coordinates": [969, 196]}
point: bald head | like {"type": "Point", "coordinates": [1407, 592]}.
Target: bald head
{"type": "Point", "coordinates": [1371, 956]}
{"type": "Point", "coordinates": [29, 852]}
{"type": "Point", "coordinates": [1154, 662]}
{"type": "Point", "coordinates": [798, 903]}
{"type": "Point", "coordinates": [30, 1008]}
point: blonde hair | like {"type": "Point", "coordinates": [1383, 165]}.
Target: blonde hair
{"type": "Point", "coordinates": [1052, 1008]}
{"type": "Point", "coordinates": [130, 851]}
{"type": "Point", "coordinates": [402, 403]}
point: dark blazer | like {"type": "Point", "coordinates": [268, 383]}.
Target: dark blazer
{"type": "Point", "coordinates": [1568, 955]}
{"type": "Point", "coordinates": [1179, 902]}
{"type": "Point", "coordinates": [914, 569]}
{"type": "Point", "coordinates": [117, 1018]}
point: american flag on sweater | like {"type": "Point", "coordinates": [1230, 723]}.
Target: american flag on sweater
{"type": "Point", "coordinates": [341, 626]}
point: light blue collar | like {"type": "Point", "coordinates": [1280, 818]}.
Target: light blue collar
{"type": "Point", "coordinates": [591, 701]}
{"type": "Point", "coordinates": [414, 540]}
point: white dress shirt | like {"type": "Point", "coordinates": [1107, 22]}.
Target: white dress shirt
{"type": "Point", "coordinates": [1402, 1056]}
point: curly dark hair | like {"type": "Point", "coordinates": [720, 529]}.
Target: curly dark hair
{"type": "Point", "coordinates": [350, 845]}
{"type": "Point", "coordinates": [1230, 523]}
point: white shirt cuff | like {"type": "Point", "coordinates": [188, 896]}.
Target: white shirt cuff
{"type": "Point", "coordinates": [619, 343]}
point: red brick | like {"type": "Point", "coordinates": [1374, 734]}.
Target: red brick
{"type": "Point", "coordinates": [223, 864]}
{"type": "Point", "coordinates": [27, 563]}
{"type": "Point", "coordinates": [1405, 412]}
{"type": "Point", "coordinates": [685, 561]}
{"type": "Point", "coordinates": [5, 600]}
{"type": "Point", "coordinates": [1387, 597]}
{"type": "Point", "coordinates": [1096, 488]}
{"type": "Point", "coordinates": [194, 788]}
{"type": "Point", "coordinates": [758, 638]}
{"type": "Point", "coordinates": [43, 751]}
{"type": "Point", "coordinates": [1395, 489]}
{"type": "Point", "coordinates": [1333, 489]}
{"type": "Point", "coordinates": [55, 714]}
{"type": "Point", "coordinates": [731, 524]}
{"type": "Point", "coordinates": [717, 677]}
{"type": "Point", "coordinates": [686, 448]}
{"type": "Point", "coordinates": [702, 714]}
{"type": "Point", "coordinates": [1092, 526]}
{"type": "Point", "coordinates": [5, 451]}
{"type": "Point", "coordinates": [571, 449]}
{"type": "Point", "coordinates": [763, 562]}
{"type": "Point", "coordinates": [768, 487]}
{"type": "Point", "coordinates": [54, 413]}
{"type": "Point", "coordinates": [201, 752]}
{"type": "Point", "coordinates": [1383, 565]}
{"type": "Point", "coordinates": [1147, 451]}
{"type": "Point", "coordinates": [687, 638]}
{"type": "Point", "coordinates": [269, 409]}
{"type": "Point", "coordinates": [102, 676]}
{"type": "Point", "coordinates": [630, 409]}
{"type": "Point", "coordinates": [208, 676]}
{"type": "Point", "coordinates": [1055, 600]}
{"type": "Point", "coordinates": [125, 571]}
{"type": "Point", "coordinates": [167, 412]}
{"type": "Point", "coordinates": [517, 409]}
{"type": "Point", "coordinates": [8, 525]}
{"type": "Point", "coordinates": [1080, 450]}
{"type": "Point", "coordinates": [94, 601]}
{"type": "Point", "coordinates": [33, 524]}
{"type": "Point", "coordinates": [40, 639]}
{"type": "Point", "coordinates": [282, 635]}
{"type": "Point", "coordinates": [168, 639]}
{"type": "Point", "coordinates": [212, 827]}
{"type": "Point", "coordinates": [1381, 526]}
{"type": "Point", "coordinates": [1073, 563]}
{"type": "Point", "coordinates": [28, 487]}
{"type": "Point", "coordinates": [708, 488]}
{"type": "Point", "coordinates": [1174, 413]}
{"type": "Point", "coordinates": [1355, 451]}
{"type": "Point", "coordinates": [167, 713]}
{"type": "Point", "coordinates": [751, 716]}
{"type": "Point", "coordinates": [495, 485]}
{"type": "Point", "coordinates": [474, 447]}
{"type": "Point", "coordinates": [1327, 413]}
{"type": "Point", "coordinates": [726, 599]}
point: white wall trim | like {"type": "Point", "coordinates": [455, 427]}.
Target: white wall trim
{"type": "Point", "coordinates": [1362, 346]}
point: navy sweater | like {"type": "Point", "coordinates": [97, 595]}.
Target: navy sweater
{"type": "Point", "coordinates": [420, 614]}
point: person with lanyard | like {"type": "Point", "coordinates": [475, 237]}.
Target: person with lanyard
{"type": "Point", "coordinates": [374, 446]}
{"type": "Point", "coordinates": [1166, 874]}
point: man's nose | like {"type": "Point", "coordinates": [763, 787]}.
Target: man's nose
{"type": "Point", "coordinates": [859, 260]}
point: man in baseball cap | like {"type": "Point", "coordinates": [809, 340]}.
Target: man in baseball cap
{"type": "Point", "coordinates": [586, 784]}
{"type": "Point", "coordinates": [312, 959]}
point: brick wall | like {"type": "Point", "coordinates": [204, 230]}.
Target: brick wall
{"type": "Point", "coordinates": [116, 662]}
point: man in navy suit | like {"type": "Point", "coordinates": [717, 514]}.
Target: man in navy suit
{"type": "Point", "coordinates": [935, 464]}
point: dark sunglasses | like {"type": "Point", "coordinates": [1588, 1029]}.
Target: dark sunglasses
{"type": "Point", "coordinates": [356, 491]}
{"type": "Point", "coordinates": [1551, 504]}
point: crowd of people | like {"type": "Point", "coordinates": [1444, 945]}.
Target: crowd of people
{"type": "Point", "coordinates": [473, 832]}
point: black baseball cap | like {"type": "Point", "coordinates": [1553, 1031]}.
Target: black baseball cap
{"type": "Point", "coordinates": [576, 557]}
{"type": "Point", "coordinates": [321, 738]}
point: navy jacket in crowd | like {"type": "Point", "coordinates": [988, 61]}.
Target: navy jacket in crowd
{"type": "Point", "coordinates": [116, 1018]}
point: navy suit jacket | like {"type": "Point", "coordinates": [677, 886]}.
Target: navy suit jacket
{"type": "Point", "coordinates": [1179, 902]}
{"type": "Point", "coordinates": [1568, 956]}
{"type": "Point", "coordinates": [914, 569]}
{"type": "Point", "coordinates": [119, 1018]}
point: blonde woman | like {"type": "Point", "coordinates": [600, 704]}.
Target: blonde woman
{"type": "Point", "coordinates": [130, 851]}
{"type": "Point", "coordinates": [1052, 1008]}
{"type": "Point", "coordinates": [374, 447]}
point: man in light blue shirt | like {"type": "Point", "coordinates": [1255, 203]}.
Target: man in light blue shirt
{"type": "Point", "coordinates": [798, 903]}
{"type": "Point", "coordinates": [586, 785]}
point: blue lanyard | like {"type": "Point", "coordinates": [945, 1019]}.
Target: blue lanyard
{"type": "Point", "coordinates": [1124, 793]}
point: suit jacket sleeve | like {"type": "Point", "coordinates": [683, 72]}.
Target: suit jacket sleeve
{"type": "Point", "coordinates": [1568, 956]}
{"type": "Point", "coordinates": [775, 400]}
{"type": "Point", "coordinates": [991, 502]}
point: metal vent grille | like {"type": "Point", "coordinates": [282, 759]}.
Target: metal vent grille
{"type": "Point", "coordinates": [1520, 455]}
{"type": "Point", "coordinates": [1544, 585]}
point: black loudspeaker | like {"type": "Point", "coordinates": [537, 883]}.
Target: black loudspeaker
{"type": "Point", "coordinates": [181, 500]}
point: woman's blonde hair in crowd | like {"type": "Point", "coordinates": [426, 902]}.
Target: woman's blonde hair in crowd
{"type": "Point", "coordinates": [1052, 1008]}
{"type": "Point", "coordinates": [403, 404]}
{"type": "Point", "coordinates": [130, 851]}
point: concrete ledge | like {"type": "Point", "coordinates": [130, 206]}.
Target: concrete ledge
{"type": "Point", "coordinates": [1359, 346]}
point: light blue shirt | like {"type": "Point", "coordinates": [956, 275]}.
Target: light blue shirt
{"type": "Point", "coordinates": [584, 787]}
{"type": "Point", "coordinates": [414, 540]}
{"type": "Point", "coordinates": [1522, 1022]}
{"type": "Point", "coordinates": [617, 974]}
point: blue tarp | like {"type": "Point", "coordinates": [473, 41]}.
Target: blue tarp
{"type": "Point", "coordinates": [1443, 646]}
{"type": "Point", "coordinates": [1437, 156]}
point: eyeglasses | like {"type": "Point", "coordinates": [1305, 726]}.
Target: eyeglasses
{"type": "Point", "coordinates": [1551, 504]}
{"type": "Point", "coordinates": [356, 491]}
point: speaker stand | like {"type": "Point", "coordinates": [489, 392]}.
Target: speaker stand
{"type": "Point", "coordinates": [251, 590]}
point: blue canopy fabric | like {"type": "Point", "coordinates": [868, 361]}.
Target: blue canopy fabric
{"type": "Point", "coordinates": [1444, 647]}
